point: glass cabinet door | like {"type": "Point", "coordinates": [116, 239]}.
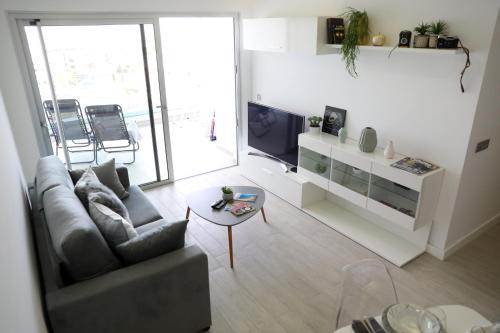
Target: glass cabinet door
{"type": "Point", "coordinates": [396, 196]}
{"type": "Point", "coordinates": [348, 176]}
{"type": "Point", "coordinates": [315, 162]}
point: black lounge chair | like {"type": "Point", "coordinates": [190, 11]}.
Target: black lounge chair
{"type": "Point", "coordinates": [73, 125]}
{"type": "Point", "coordinates": [108, 124]}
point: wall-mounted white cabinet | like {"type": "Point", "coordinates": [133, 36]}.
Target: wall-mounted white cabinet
{"type": "Point", "coordinates": [368, 180]}
{"type": "Point", "coordinates": [303, 35]}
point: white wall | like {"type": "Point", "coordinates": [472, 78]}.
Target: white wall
{"type": "Point", "coordinates": [412, 99]}
{"type": "Point", "coordinates": [20, 309]}
{"type": "Point", "coordinates": [11, 81]}
{"type": "Point", "coordinates": [478, 200]}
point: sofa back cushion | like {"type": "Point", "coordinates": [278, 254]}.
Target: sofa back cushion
{"type": "Point", "coordinates": [51, 172]}
{"type": "Point", "coordinates": [76, 240]}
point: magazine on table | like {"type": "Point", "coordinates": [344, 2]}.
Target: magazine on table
{"type": "Point", "coordinates": [414, 165]}
{"type": "Point", "coordinates": [245, 197]}
{"type": "Point", "coordinates": [239, 208]}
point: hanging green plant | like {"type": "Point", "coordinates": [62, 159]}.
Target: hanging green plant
{"type": "Point", "coordinates": [356, 32]}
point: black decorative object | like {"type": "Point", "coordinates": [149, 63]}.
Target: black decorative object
{"type": "Point", "coordinates": [447, 42]}
{"type": "Point", "coordinates": [333, 120]}
{"type": "Point", "coordinates": [335, 30]}
{"type": "Point", "coordinates": [404, 38]}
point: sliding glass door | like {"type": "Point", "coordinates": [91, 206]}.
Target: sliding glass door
{"type": "Point", "coordinates": [158, 94]}
{"type": "Point", "coordinates": [105, 79]}
{"type": "Point", "coordinates": [200, 73]}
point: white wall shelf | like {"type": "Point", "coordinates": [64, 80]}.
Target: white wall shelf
{"type": "Point", "coordinates": [388, 49]}
{"type": "Point", "coordinates": [307, 35]}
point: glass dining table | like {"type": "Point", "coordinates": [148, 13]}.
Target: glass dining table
{"type": "Point", "coordinates": [459, 319]}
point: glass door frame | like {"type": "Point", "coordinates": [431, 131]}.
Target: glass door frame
{"type": "Point", "coordinates": [18, 20]}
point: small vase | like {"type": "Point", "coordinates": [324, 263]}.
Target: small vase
{"type": "Point", "coordinates": [368, 140]}
{"type": "Point", "coordinates": [364, 40]}
{"type": "Point", "coordinates": [421, 41]}
{"type": "Point", "coordinates": [342, 134]}
{"type": "Point", "coordinates": [433, 41]}
{"type": "Point", "coordinates": [227, 196]}
{"type": "Point", "coordinates": [389, 150]}
{"type": "Point", "coordinates": [314, 130]}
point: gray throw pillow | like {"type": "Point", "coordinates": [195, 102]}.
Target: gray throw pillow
{"type": "Point", "coordinates": [114, 228]}
{"type": "Point", "coordinates": [167, 237]}
{"type": "Point", "coordinates": [106, 173]}
{"type": "Point", "coordinates": [89, 187]}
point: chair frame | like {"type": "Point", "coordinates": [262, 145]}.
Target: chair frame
{"type": "Point", "coordinates": [349, 267]}
{"type": "Point", "coordinates": [100, 143]}
{"type": "Point", "coordinates": [50, 114]}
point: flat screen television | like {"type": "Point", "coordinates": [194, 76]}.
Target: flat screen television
{"type": "Point", "coordinates": [274, 132]}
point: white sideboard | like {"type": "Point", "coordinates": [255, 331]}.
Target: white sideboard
{"type": "Point", "coordinates": [368, 180]}
{"type": "Point", "coordinates": [387, 210]}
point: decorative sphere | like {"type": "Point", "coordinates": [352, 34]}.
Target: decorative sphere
{"type": "Point", "coordinates": [378, 40]}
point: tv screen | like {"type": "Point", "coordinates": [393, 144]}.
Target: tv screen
{"type": "Point", "coordinates": [274, 132]}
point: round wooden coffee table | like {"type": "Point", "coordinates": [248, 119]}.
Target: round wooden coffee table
{"type": "Point", "coordinates": [200, 201]}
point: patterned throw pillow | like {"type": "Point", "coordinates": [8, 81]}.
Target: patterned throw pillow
{"type": "Point", "coordinates": [89, 187]}
{"type": "Point", "coordinates": [114, 228]}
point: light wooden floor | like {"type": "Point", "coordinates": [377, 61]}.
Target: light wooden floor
{"type": "Point", "coordinates": [287, 272]}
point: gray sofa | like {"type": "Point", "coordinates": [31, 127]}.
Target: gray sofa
{"type": "Point", "coordinates": [84, 285]}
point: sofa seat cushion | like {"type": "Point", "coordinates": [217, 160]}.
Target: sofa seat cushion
{"type": "Point", "coordinates": [51, 172]}
{"type": "Point", "coordinates": [140, 209]}
{"type": "Point", "coordinates": [163, 238]}
{"type": "Point", "coordinates": [89, 188]}
{"type": "Point", "coordinates": [76, 240]}
{"type": "Point", "coordinates": [107, 174]}
{"type": "Point", "coordinates": [113, 227]}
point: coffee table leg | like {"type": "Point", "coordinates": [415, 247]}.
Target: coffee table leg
{"type": "Point", "coordinates": [187, 212]}
{"type": "Point", "coordinates": [230, 238]}
{"type": "Point", "coordinates": [263, 214]}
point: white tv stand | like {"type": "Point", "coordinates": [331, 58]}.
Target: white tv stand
{"type": "Point", "coordinates": [344, 189]}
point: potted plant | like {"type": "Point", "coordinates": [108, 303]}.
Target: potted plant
{"type": "Point", "coordinates": [422, 39]}
{"type": "Point", "coordinates": [227, 193]}
{"type": "Point", "coordinates": [436, 29]}
{"type": "Point", "coordinates": [356, 33]}
{"type": "Point", "coordinates": [314, 122]}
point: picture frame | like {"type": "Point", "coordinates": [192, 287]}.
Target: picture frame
{"type": "Point", "coordinates": [333, 120]}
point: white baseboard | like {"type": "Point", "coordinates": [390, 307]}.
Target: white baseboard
{"type": "Point", "coordinates": [435, 251]}
{"type": "Point", "coordinates": [445, 253]}
{"type": "Point", "coordinates": [471, 236]}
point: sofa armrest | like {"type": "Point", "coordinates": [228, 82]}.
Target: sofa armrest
{"type": "Point", "coordinates": [122, 172]}
{"type": "Point", "coordinates": [166, 293]}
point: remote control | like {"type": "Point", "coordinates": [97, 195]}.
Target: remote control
{"type": "Point", "coordinates": [221, 204]}
{"type": "Point", "coordinates": [216, 203]}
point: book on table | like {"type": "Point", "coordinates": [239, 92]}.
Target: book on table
{"type": "Point", "coordinates": [248, 197]}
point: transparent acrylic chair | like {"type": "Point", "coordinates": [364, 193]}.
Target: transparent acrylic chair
{"type": "Point", "coordinates": [366, 290]}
